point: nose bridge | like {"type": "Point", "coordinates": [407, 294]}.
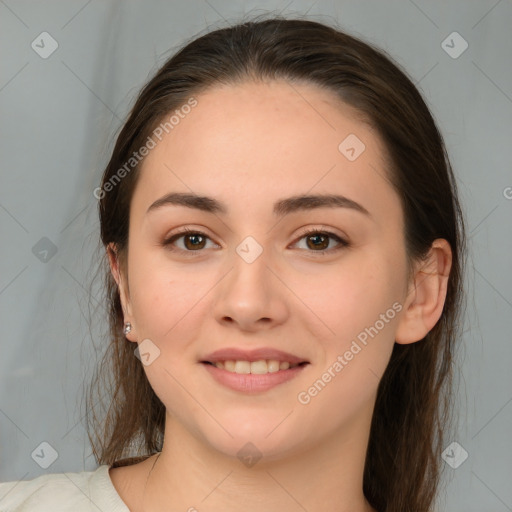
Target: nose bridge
{"type": "Point", "coordinates": [250, 261]}
{"type": "Point", "coordinates": [251, 291]}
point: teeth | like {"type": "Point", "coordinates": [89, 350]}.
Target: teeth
{"type": "Point", "coordinates": [256, 367]}
{"type": "Point", "coordinates": [273, 365]}
{"type": "Point", "coordinates": [242, 367]}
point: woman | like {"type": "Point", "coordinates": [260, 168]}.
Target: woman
{"type": "Point", "coordinates": [284, 253]}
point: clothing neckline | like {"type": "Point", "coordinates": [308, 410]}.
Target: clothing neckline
{"type": "Point", "coordinates": [103, 491]}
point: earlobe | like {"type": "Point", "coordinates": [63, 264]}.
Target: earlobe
{"type": "Point", "coordinates": [117, 274]}
{"type": "Point", "coordinates": [425, 301]}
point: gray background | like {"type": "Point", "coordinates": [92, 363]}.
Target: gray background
{"type": "Point", "coordinates": [59, 116]}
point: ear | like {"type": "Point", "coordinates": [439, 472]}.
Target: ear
{"type": "Point", "coordinates": [117, 273]}
{"type": "Point", "coordinates": [426, 296]}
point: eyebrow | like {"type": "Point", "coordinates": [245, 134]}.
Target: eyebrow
{"type": "Point", "coordinates": [281, 208]}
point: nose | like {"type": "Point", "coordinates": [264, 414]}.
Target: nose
{"type": "Point", "coordinates": [252, 296]}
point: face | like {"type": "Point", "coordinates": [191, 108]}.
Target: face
{"type": "Point", "coordinates": [249, 276]}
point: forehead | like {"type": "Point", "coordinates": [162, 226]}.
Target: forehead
{"type": "Point", "coordinates": [251, 144]}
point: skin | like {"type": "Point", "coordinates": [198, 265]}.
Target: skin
{"type": "Point", "coordinates": [248, 146]}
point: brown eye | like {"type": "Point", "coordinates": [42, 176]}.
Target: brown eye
{"type": "Point", "coordinates": [196, 241]}
{"type": "Point", "coordinates": [193, 241]}
{"type": "Point", "coordinates": [318, 241]}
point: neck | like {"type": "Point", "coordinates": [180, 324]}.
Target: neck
{"type": "Point", "coordinates": [190, 474]}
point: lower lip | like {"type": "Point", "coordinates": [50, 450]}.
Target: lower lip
{"type": "Point", "coordinates": [248, 382]}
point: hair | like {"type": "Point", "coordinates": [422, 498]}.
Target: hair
{"type": "Point", "coordinates": [415, 396]}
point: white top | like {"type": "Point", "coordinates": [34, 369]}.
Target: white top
{"type": "Point", "coordinates": [87, 491]}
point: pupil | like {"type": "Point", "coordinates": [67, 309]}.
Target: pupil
{"type": "Point", "coordinates": [194, 237]}
{"type": "Point", "coordinates": [316, 237]}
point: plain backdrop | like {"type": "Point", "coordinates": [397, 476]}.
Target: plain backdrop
{"type": "Point", "coordinates": [59, 114]}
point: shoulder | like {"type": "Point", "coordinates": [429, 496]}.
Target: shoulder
{"type": "Point", "coordinates": [86, 491]}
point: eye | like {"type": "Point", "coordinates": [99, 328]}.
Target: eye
{"type": "Point", "coordinates": [319, 240]}
{"type": "Point", "coordinates": [194, 241]}
{"type": "Point", "coordinates": [316, 239]}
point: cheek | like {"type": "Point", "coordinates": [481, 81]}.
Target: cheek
{"type": "Point", "coordinates": [349, 296]}
{"type": "Point", "coordinates": [164, 307]}
{"type": "Point", "coordinates": [168, 311]}
{"type": "Point", "coordinates": [358, 322]}
{"type": "Point", "coordinates": [164, 298]}
{"type": "Point", "coordinates": [356, 309]}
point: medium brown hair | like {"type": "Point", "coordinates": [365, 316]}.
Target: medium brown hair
{"type": "Point", "coordinates": [415, 395]}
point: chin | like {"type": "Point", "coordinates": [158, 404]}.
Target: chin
{"type": "Point", "coordinates": [264, 440]}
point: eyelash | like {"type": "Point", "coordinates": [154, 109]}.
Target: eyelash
{"type": "Point", "coordinates": [342, 243]}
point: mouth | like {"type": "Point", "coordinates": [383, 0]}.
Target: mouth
{"type": "Point", "coordinates": [252, 377]}
{"type": "Point", "coordinates": [259, 367]}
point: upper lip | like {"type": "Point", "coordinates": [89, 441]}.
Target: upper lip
{"type": "Point", "coordinates": [236, 354]}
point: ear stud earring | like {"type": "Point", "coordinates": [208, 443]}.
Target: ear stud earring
{"type": "Point", "coordinates": [127, 327]}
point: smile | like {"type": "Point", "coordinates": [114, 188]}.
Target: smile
{"type": "Point", "coordinates": [241, 376]}
{"type": "Point", "coordinates": [260, 367]}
